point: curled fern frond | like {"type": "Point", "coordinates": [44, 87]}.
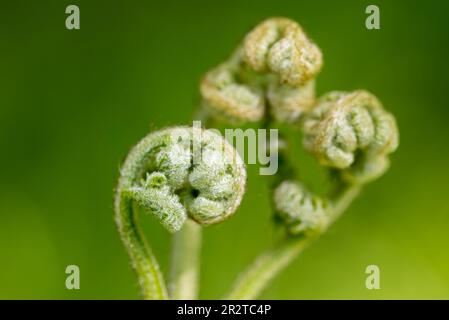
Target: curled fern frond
{"type": "Point", "coordinates": [274, 68]}
{"type": "Point", "coordinates": [184, 172]}
{"type": "Point", "coordinates": [280, 46]}
{"type": "Point", "coordinates": [175, 174]}
{"type": "Point", "coordinates": [353, 133]}
{"type": "Point", "coordinates": [230, 98]}
{"type": "Point", "coordinates": [299, 210]}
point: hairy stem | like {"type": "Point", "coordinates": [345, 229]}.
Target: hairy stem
{"type": "Point", "coordinates": [267, 266]}
{"type": "Point", "coordinates": [342, 200]}
{"type": "Point", "coordinates": [143, 261]}
{"type": "Point", "coordinates": [185, 260]}
{"type": "Point", "coordinates": [142, 258]}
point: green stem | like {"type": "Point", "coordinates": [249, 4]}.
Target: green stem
{"type": "Point", "coordinates": [143, 261]}
{"type": "Point", "coordinates": [142, 258]}
{"type": "Point", "coordinates": [342, 200]}
{"type": "Point", "coordinates": [268, 265]}
{"type": "Point", "coordinates": [185, 261]}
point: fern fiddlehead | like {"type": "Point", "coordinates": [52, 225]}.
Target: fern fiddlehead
{"type": "Point", "coordinates": [273, 68]}
{"type": "Point", "coordinates": [175, 174]}
{"type": "Point", "coordinates": [352, 133]}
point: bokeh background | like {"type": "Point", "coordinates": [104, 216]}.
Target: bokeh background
{"type": "Point", "coordinates": [73, 102]}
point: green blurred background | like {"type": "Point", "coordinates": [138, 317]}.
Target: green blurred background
{"type": "Point", "coordinates": [73, 102]}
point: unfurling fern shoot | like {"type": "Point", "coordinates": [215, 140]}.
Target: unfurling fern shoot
{"type": "Point", "coordinates": [175, 174]}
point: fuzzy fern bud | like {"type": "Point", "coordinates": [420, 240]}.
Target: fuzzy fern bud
{"type": "Point", "coordinates": [352, 133]}
{"type": "Point", "coordinates": [229, 99]}
{"type": "Point", "coordinates": [298, 209]}
{"type": "Point", "coordinates": [184, 172]}
{"type": "Point", "coordinates": [280, 46]}
{"type": "Point", "coordinates": [274, 68]}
